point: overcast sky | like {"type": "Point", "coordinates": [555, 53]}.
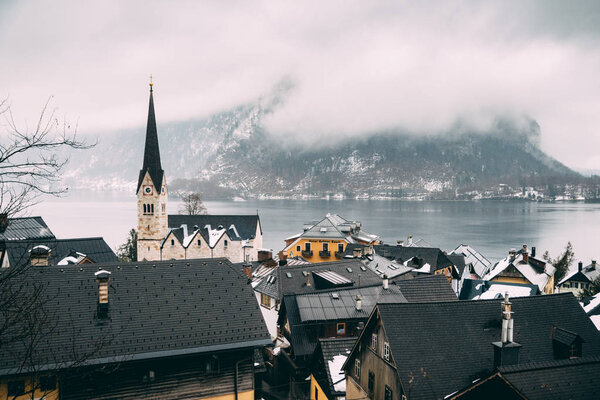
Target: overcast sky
{"type": "Point", "coordinates": [357, 66]}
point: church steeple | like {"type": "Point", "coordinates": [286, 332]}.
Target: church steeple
{"type": "Point", "coordinates": [151, 151]}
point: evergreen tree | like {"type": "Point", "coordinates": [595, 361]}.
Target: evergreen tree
{"type": "Point", "coordinates": [562, 262]}
{"type": "Point", "coordinates": [128, 250]}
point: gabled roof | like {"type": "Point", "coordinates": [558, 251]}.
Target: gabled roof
{"type": "Point", "coordinates": [238, 227]}
{"type": "Point", "coordinates": [587, 274]}
{"type": "Point", "coordinates": [480, 264]}
{"type": "Point", "coordinates": [156, 309]}
{"type": "Point", "coordinates": [335, 227]}
{"type": "Point", "coordinates": [536, 271]}
{"type": "Point", "coordinates": [426, 255]}
{"type": "Point", "coordinates": [326, 367]}
{"type": "Point", "coordinates": [473, 289]}
{"type": "Point", "coordinates": [562, 379]}
{"type": "Point", "coordinates": [95, 249]}
{"type": "Point", "coordinates": [24, 228]}
{"type": "Point", "coordinates": [292, 279]}
{"type": "Point", "coordinates": [151, 163]}
{"type": "Point", "coordinates": [425, 338]}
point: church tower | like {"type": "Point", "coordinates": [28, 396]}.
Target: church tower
{"type": "Point", "coordinates": [151, 195]}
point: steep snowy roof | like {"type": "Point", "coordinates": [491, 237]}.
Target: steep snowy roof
{"type": "Point", "coordinates": [535, 271]}
{"type": "Point", "coordinates": [481, 265]}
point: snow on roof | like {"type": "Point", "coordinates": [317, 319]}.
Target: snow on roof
{"type": "Point", "coordinates": [426, 269]}
{"type": "Point", "coordinates": [526, 269]}
{"type": "Point", "coordinates": [592, 304]}
{"type": "Point", "coordinates": [481, 265]}
{"type": "Point", "coordinates": [336, 374]}
{"type": "Point", "coordinates": [214, 235]}
{"type": "Point", "coordinates": [498, 291]}
{"type": "Point", "coordinates": [41, 247]}
{"type": "Point", "coordinates": [188, 239]}
{"type": "Point", "coordinates": [232, 227]}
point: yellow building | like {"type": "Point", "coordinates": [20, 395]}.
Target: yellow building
{"type": "Point", "coordinates": [522, 267]}
{"type": "Point", "coordinates": [326, 240]}
{"type": "Point", "coordinates": [327, 379]}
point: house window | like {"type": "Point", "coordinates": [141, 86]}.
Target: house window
{"type": "Point", "coordinates": [298, 248]}
{"type": "Point", "coordinates": [316, 393]}
{"type": "Point", "coordinates": [341, 247]}
{"type": "Point", "coordinates": [163, 208]}
{"type": "Point", "coordinates": [265, 300]}
{"type": "Point", "coordinates": [16, 388]}
{"type": "Point", "coordinates": [225, 243]}
{"type": "Point", "coordinates": [386, 351]}
{"type": "Point", "coordinates": [374, 341]}
{"type": "Point", "coordinates": [172, 242]}
{"type": "Point", "coordinates": [325, 246]}
{"type": "Point", "coordinates": [575, 350]}
{"type": "Point", "coordinates": [307, 246]}
{"type": "Point", "coordinates": [47, 383]}
{"type": "Point", "coordinates": [371, 384]}
{"type": "Point", "coordinates": [199, 242]}
{"type": "Point", "coordinates": [388, 393]}
{"type": "Point", "coordinates": [341, 329]}
{"type": "Point", "coordinates": [357, 368]}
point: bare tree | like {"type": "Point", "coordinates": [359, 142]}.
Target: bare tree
{"type": "Point", "coordinates": [192, 204]}
{"type": "Point", "coordinates": [31, 164]}
{"type": "Point", "coordinates": [30, 159]}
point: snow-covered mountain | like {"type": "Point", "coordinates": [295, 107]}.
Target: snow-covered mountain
{"type": "Point", "coordinates": [230, 154]}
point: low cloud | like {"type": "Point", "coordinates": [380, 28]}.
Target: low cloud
{"type": "Point", "coordinates": [356, 66]}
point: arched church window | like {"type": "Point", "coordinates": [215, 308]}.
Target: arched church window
{"type": "Point", "coordinates": [145, 209]}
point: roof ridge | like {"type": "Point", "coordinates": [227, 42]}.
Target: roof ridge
{"type": "Point", "coordinates": [488, 300]}
{"type": "Point", "coordinates": [540, 365]}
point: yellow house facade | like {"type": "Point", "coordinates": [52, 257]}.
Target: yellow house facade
{"type": "Point", "coordinates": [326, 240]}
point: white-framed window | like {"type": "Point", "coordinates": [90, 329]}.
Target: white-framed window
{"type": "Point", "coordinates": [374, 341]}
{"type": "Point", "coordinates": [357, 368]}
{"type": "Point", "coordinates": [386, 351]}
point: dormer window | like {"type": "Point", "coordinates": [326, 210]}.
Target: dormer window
{"type": "Point", "coordinates": [566, 344]}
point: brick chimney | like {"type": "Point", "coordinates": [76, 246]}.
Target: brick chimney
{"type": "Point", "coordinates": [248, 270]}
{"type": "Point", "coordinates": [506, 352]}
{"type": "Point", "coordinates": [400, 243]}
{"type": "Point", "coordinates": [307, 278]}
{"type": "Point", "coordinates": [264, 255]}
{"type": "Point", "coordinates": [512, 254]}
{"type": "Point", "coordinates": [282, 258]}
{"type": "Point", "coordinates": [102, 277]}
{"type": "Point", "coordinates": [357, 252]}
{"type": "Point", "coordinates": [525, 253]}
{"type": "Point", "coordinates": [593, 264]}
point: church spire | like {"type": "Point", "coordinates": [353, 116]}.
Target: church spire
{"type": "Point", "coordinates": [151, 151]}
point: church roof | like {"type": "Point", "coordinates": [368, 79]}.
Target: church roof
{"type": "Point", "coordinates": [151, 151]}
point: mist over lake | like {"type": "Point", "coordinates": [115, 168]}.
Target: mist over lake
{"type": "Point", "coordinates": [492, 227]}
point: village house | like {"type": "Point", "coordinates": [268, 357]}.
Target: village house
{"type": "Point", "coordinates": [401, 354]}
{"type": "Point", "coordinates": [404, 262]}
{"type": "Point", "coordinates": [169, 237]}
{"type": "Point", "coordinates": [327, 379]}
{"type": "Point", "coordinates": [477, 289]}
{"type": "Point", "coordinates": [342, 312]}
{"type": "Point", "coordinates": [326, 240]}
{"type": "Point", "coordinates": [580, 279]}
{"type": "Point", "coordinates": [477, 264]}
{"type": "Point", "coordinates": [169, 330]}
{"type": "Point", "coordinates": [522, 267]}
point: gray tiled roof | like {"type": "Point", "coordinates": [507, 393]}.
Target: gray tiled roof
{"type": "Point", "coordinates": [445, 346]}
{"type": "Point", "coordinates": [350, 269]}
{"type": "Point", "coordinates": [26, 228]}
{"type": "Point", "coordinates": [157, 309]}
{"type": "Point", "coordinates": [327, 350]}
{"type": "Point", "coordinates": [95, 248]}
{"type": "Point", "coordinates": [564, 379]}
{"type": "Point", "coordinates": [429, 255]}
{"type": "Point", "coordinates": [427, 288]}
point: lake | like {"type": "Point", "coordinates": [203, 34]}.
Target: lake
{"type": "Point", "coordinates": [492, 227]}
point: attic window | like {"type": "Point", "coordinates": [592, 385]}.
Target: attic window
{"type": "Point", "coordinates": [172, 242]}
{"type": "Point", "coordinates": [386, 351]}
{"type": "Point", "coordinates": [288, 275]}
{"type": "Point", "coordinates": [225, 243]}
{"type": "Point", "coordinates": [199, 242]}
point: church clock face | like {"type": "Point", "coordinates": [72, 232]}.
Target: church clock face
{"type": "Point", "coordinates": [148, 189]}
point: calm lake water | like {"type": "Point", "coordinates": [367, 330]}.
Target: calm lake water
{"type": "Point", "coordinates": [492, 227]}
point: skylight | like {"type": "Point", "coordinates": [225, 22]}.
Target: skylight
{"type": "Point", "coordinates": [287, 274]}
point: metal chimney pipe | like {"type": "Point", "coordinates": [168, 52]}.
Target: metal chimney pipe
{"type": "Point", "coordinates": [386, 282]}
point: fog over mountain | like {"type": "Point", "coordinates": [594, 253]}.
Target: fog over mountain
{"type": "Point", "coordinates": [414, 68]}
